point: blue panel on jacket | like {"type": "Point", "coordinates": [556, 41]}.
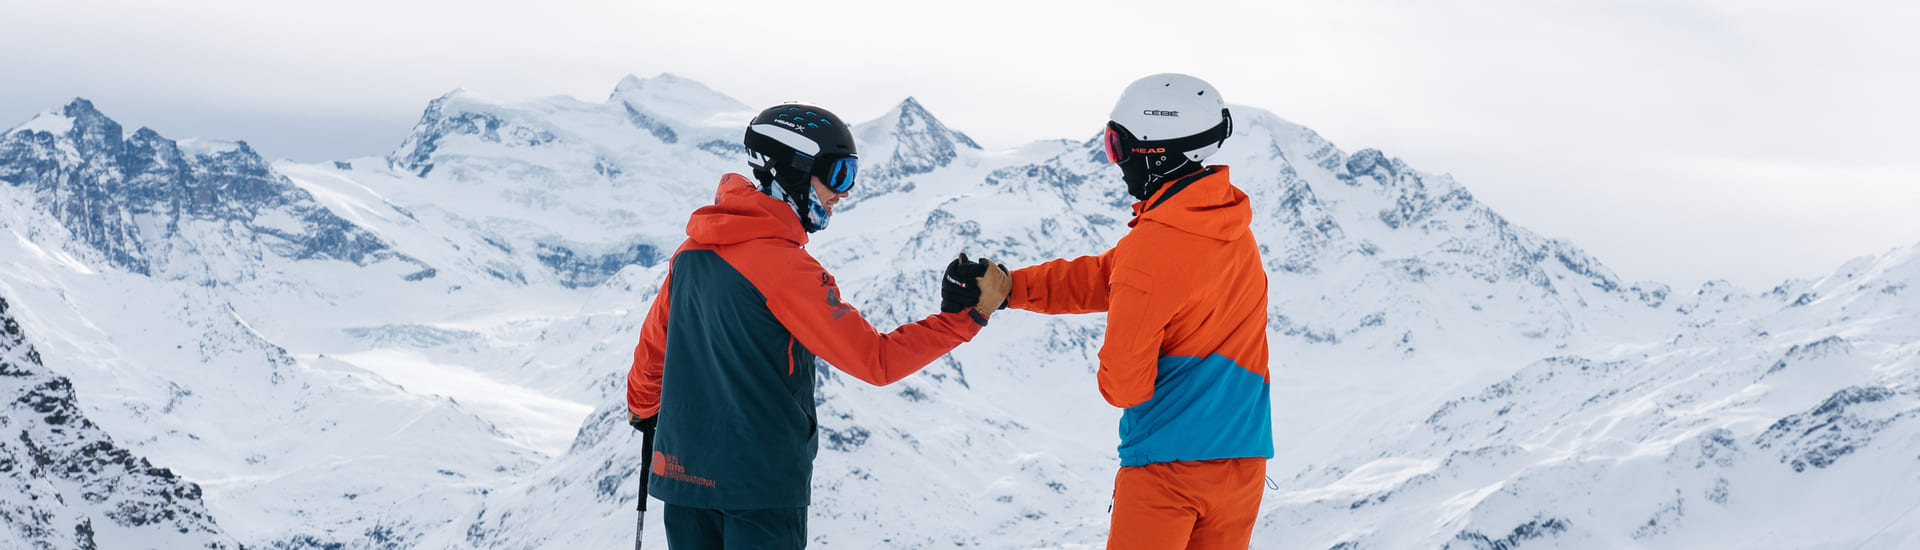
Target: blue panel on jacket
{"type": "Point", "coordinates": [1202, 409]}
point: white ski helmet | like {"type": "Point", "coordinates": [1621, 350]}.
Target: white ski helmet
{"type": "Point", "coordinates": [1169, 106]}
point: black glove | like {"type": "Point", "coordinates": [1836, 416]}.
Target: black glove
{"type": "Point", "coordinates": [645, 425]}
{"type": "Point", "coordinates": [959, 287]}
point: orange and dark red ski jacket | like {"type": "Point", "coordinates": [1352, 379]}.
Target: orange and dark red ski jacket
{"type": "Point", "coordinates": [1186, 345]}
{"type": "Point", "coordinates": [726, 355]}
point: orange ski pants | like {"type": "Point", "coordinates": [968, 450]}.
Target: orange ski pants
{"type": "Point", "coordinates": [1204, 505]}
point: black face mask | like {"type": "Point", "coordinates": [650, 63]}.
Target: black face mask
{"type": "Point", "coordinates": [1146, 165]}
{"type": "Point", "coordinates": [1145, 174]}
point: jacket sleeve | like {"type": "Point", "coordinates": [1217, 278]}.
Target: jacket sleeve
{"type": "Point", "coordinates": [1079, 285]}
{"type": "Point", "coordinates": [649, 357]}
{"type": "Point", "coordinates": [1146, 294]}
{"type": "Point", "coordinates": [804, 297]}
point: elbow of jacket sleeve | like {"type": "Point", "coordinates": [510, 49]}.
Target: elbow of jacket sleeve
{"type": "Point", "coordinates": [1122, 386]}
{"type": "Point", "coordinates": [1125, 399]}
{"type": "Point", "coordinates": [644, 411]}
{"type": "Point", "coordinates": [876, 378]}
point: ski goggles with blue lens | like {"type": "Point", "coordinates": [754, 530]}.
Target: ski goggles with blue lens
{"type": "Point", "coordinates": [837, 173]}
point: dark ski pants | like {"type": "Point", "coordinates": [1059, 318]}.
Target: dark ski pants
{"type": "Point", "coordinates": [707, 529]}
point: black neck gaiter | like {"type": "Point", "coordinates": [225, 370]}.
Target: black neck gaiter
{"type": "Point", "coordinates": [1145, 173]}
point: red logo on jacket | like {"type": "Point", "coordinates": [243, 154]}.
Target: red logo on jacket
{"type": "Point", "coordinates": [668, 466]}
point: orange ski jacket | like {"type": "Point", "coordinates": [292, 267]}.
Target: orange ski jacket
{"type": "Point", "coordinates": [1186, 344]}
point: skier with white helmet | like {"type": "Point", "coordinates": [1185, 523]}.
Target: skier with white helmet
{"type": "Point", "coordinates": [1186, 344]}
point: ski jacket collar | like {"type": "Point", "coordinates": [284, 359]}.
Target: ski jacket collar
{"type": "Point", "coordinates": [1204, 204]}
{"type": "Point", "coordinates": [741, 213]}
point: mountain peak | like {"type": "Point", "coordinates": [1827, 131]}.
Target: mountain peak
{"type": "Point", "coordinates": [662, 81]}
{"type": "Point", "coordinates": [673, 96]}
{"type": "Point", "coordinates": [906, 141]}
{"type": "Point", "coordinates": [79, 119]}
{"type": "Point", "coordinates": [911, 121]}
{"type": "Point", "coordinates": [909, 110]}
{"type": "Point", "coordinates": [460, 96]}
{"type": "Point", "coordinates": [628, 83]}
{"type": "Point", "coordinates": [102, 178]}
{"type": "Point", "coordinates": [79, 106]}
{"type": "Point", "coordinates": [89, 119]}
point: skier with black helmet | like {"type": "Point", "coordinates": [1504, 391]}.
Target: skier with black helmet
{"type": "Point", "coordinates": [723, 377]}
{"type": "Point", "coordinates": [1186, 343]}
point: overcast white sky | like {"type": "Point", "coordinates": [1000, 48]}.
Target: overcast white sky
{"type": "Point", "coordinates": [1677, 140]}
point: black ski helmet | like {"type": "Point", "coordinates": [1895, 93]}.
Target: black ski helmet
{"type": "Point", "coordinates": [789, 144]}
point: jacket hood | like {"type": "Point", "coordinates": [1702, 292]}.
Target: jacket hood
{"type": "Point", "coordinates": [740, 213]}
{"type": "Point", "coordinates": [1209, 207]}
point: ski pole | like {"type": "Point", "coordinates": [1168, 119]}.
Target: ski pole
{"type": "Point", "coordinates": [646, 471]}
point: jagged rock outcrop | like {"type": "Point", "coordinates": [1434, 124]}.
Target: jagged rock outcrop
{"type": "Point", "coordinates": [133, 197]}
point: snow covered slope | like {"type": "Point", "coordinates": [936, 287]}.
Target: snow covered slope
{"type": "Point", "coordinates": [1792, 423]}
{"type": "Point", "coordinates": [426, 349]}
{"type": "Point", "coordinates": [67, 484]}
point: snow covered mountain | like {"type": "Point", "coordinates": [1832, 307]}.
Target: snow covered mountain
{"type": "Point", "coordinates": [168, 284]}
{"type": "Point", "coordinates": [427, 349]}
{"type": "Point", "coordinates": [126, 195]}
